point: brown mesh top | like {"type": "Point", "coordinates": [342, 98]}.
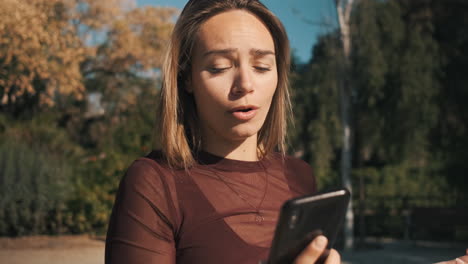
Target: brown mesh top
{"type": "Point", "coordinates": [206, 215]}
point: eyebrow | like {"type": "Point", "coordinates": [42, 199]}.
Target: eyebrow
{"type": "Point", "coordinates": [219, 51]}
{"type": "Point", "coordinates": [255, 52]}
{"type": "Point", "coordinates": [261, 53]}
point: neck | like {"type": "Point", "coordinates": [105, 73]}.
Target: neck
{"type": "Point", "coordinates": [245, 149]}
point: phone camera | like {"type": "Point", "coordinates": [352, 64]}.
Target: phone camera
{"type": "Point", "coordinates": [293, 220]}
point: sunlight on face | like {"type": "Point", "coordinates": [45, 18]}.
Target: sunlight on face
{"type": "Point", "coordinates": [234, 76]}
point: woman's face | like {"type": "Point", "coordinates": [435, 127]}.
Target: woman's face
{"type": "Point", "coordinates": [234, 76]}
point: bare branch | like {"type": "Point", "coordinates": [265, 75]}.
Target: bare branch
{"type": "Point", "coordinates": [349, 7]}
{"type": "Point", "coordinates": [339, 11]}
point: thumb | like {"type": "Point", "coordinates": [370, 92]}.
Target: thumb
{"type": "Point", "coordinates": [313, 251]}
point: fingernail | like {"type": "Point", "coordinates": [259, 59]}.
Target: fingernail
{"type": "Point", "coordinates": [320, 242]}
{"type": "Point", "coordinates": [459, 261]}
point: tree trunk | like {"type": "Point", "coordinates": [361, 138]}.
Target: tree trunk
{"type": "Point", "coordinates": [343, 10]}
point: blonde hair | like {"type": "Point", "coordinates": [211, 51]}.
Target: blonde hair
{"type": "Point", "coordinates": [177, 121]}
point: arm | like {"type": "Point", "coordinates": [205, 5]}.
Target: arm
{"type": "Point", "coordinates": [141, 228]}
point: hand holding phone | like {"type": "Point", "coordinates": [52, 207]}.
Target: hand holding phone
{"type": "Point", "coordinates": [304, 218]}
{"type": "Point", "coordinates": [317, 252]}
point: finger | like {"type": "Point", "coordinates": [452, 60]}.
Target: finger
{"type": "Point", "coordinates": [460, 260]}
{"type": "Point", "coordinates": [465, 258]}
{"type": "Point", "coordinates": [333, 258]}
{"type": "Point", "coordinates": [313, 251]}
{"type": "Point", "coordinates": [323, 257]}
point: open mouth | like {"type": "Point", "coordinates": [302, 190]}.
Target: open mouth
{"type": "Point", "coordinates": [244, 109]}
{"type": "Point", "coordinates": [244, 112]}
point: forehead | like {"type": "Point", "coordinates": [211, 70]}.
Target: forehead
{"type": "Point", "coordinates": [236, 29]}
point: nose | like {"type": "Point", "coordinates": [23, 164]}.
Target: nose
{"type": "Point", "coordinates": [243, 83]}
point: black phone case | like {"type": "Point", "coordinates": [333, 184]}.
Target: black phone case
{"type": "Point", "coordinates": [302, 219]}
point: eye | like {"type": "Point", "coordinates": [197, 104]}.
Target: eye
{"type": "Point", "coordinates": [262, 69]}
{"type": "Point", "coordinates": [216, 70]}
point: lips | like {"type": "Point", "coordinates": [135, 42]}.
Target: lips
{"type": "Point", "coordinates": [245, 112]}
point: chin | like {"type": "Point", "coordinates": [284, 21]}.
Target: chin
{"type": "Point", "coordinates": [243, 132]}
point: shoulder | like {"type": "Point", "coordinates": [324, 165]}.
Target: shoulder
{"type": "Point", "coordinates": [147, 193]}
{"type": "Point", "coordinates": [289, 162]}
{"type": "Point", "coordinates": [297, 164]}
{"type": "Point", "coordinates": [151, 178]}
{"type": "Point", "coordinates": [150, 171]}
{"type": "Point", "coordinates": [299, 173]}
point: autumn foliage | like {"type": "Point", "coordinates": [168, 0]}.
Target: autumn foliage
{"type": "Point", "coordinates": [60, 161]}
{"type": "Point", "coordinates": [48, 48]}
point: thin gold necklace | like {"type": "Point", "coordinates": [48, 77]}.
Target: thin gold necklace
{"type": "Point", "coordinates": [258, 216]}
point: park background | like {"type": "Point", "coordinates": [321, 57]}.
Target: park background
{"type": "Point", "coordinates": [79, 81]}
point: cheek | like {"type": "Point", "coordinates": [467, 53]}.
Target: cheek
{"type": "Point", "coordinates": [268, 94]}
{"type": "Point", "coordinates": [270, 87]}
{"type": "Point", "coordinates": [211, 88]}
{"type": "Point", "coordinates": [208, 94]}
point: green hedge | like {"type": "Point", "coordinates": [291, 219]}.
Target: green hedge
{"type": "Point", "coordinates": [34, 189]}
{"type": "Point", "coordinates": [50, 184]}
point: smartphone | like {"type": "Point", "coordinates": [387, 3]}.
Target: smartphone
{"type": "Point", "coordinates": [302, 219]}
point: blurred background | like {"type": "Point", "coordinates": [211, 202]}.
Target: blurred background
{"type": "Point", "coordinates": [79, 78]}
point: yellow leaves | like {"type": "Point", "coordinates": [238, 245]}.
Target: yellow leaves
{"type": "Point", "coordinates": [97, 14]}
{"type": "Point", "coordinates": [47, 42]}
{"type": "Point", "coordinates": [34, 45]}
{"type": "Point", "coordinates": [140, 37]}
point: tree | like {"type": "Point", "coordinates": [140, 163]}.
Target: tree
{"type": "Point", "coordinates": [407, 66]}
{"type": "Point", "coordinates": [53, 55]}
{"type": "Point", "coordinates": [344, 10]}
{"type": "Point", "coordinates": [449, 136]}
{"type": "Point", "coordinates": [40, 53]}
{"type": "Point", "coordinates": [395, 70]}
{"type": "Point", "coordinates": [50, 49]}
{"type": "Point", "coordinates": [315, 95]}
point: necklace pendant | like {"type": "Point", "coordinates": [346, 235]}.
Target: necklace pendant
{"type": "Point", "coordinates": [259, 219]}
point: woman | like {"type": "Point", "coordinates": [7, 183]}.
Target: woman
{"type": "Point", "coordinates": [213, 192]}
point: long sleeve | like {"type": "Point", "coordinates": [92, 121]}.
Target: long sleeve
{"type": "Point", "coordinates": [142, 226]}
